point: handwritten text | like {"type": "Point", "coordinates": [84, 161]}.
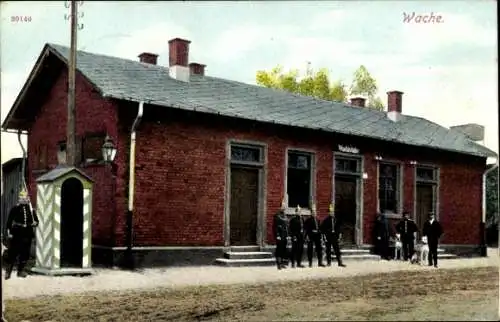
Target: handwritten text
{"type": "Point", "coordinates": [427, 18]}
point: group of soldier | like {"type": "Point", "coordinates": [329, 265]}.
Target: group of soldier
{"type": "Point", "coordinates": [407, 230]}
{"type": "Point", "coordinates": [310, 231]}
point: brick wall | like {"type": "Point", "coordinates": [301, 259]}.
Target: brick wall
{"type": "Point", "coordinates": [180, 174]}
{"type": "Point", "coordinates": [181, 177]}
{"type": "Point", "coordinates": [93, 114]}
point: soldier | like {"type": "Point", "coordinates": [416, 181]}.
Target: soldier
{"type": "Point", "coordinates": [280, 230]}
{"type": "Point", "coordinates": [433, 231]}
{"type": "Point", "coordinates": [382, 236]}
{"type": "Point", "coordinates": [313, 234]}
{"type": "Point", "coordinates": [330, 227]}
{"type": "Point", "coordinates": [297, 234]}
{"type": "Point", "coordinates": [407, 229]}
{"type": "Point", "coordinates": [20, 229]}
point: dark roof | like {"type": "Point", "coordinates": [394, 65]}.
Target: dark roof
{"type": "Point", "coordinates": [60, 171]}
{"type": "Point", "coordinates": [135, 81]}
{"type": "Point", "coordinates": [11, 163]}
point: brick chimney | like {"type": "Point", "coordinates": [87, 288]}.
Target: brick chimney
{"type": "Point", "coordinates": [197, 69]}
{"type": "Point", "coordinates": [178, 59]}
{"type": "Point", "coordinates": [179, 52]}
{"type": "Point", "coordinates": [394, 105]}
{"type": "Point", "coordinates": [358, 101]}
{"type": "Point", "coordinates": [148, 58]}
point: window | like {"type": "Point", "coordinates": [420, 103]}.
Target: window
{"type": "Point", "coordinates": [347, 165]}
{"type": "Point", "coordinates": [92, 147]}
{"type": "Point", "coordinates": [41, 157]}
{"type": "Point", "coordinates": [299, 173]}
{"type": "Point", "coordinates": [388, 187]}
{"type": "Point", "coordinates": [61, 152]}
{"type": "Point", "coordinates": [426, 174]}
{"type": "Point", "coordinates": [245, 154]}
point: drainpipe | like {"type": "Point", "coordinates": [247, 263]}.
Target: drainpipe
{"type": "Point", "coordinates": [131, 186]}
{"type": "Point", "coordinates": [483, 218]}
{"type": "Point", "coordinates": [23, 168]}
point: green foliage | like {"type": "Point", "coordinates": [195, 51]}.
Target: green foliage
{"type": "Point", "coordinates": [492, 198]}
{"type": "Point", "coordinates": [318, 84]}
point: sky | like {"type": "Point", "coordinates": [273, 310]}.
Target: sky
{"type": "Point", "coordinates": [447, 70]}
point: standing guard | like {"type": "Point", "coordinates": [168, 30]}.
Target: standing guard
{"type": "Point", "coordinates": [297, 234]}
{"type": "Point", "coordinates": [433, 231]}
{"type": "Point", "coordinates": [382, 236]}
{"type": "Point", "coordinates": [330, 227]}
{"type": "Point", "coordinates": [280, 230]}
{"type": "Point", "coordinates": [20, 230]}
{"type": "Point", "coordinates": [313, 235]}
{"type": "Point", "coordinates": [407, 229]}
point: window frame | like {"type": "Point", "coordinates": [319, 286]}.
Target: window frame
{"type": "Point", "coordinates": [435, 183]}
{"type": "Point", "coordinates": [41, 161]}
{"type": "Point", "coordinates": [399, 186]}
{"type": "Point", "coordinates": [81, 150]}
{"type": "Point", "coordinates": [259, 148]}
{"type": "Point", "coordinates": [290, 209]}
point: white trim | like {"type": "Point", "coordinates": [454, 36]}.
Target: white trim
{"type": "Point", "coordinates": [358, 227]}
{"type": "Point", "coordinates": [261, 167]}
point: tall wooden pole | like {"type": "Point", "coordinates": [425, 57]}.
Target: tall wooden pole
{"type": "Point", "coordinates": [71, 122]}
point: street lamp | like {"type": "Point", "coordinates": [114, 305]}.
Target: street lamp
{"type": "Point", "coordinates": [108, 150]}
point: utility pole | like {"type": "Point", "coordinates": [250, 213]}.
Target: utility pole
{"type": "Point", "coordinates": [71, 122]}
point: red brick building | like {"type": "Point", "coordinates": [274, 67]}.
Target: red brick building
{"type": "Point", "coordinates": [214, 157]}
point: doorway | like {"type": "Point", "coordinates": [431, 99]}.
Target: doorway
{"type": "Point", "coordinates": [244, 206]}
{"type": "Point", "coordinates": [71, 223]}
{"type": "Point", "coordinates": [346, 188]}
{"type": "Point", "coordinates": [425, 197]}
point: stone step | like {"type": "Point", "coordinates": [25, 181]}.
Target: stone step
{"type": "Point", "coordinates": [248, 255]}
{"type": "Point", "coordinates": [245, 262]}
{"type": "Point", "coordinates": [244, 249]}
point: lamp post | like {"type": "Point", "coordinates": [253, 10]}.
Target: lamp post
{"type": "Point", "coordinates": [109, 150]}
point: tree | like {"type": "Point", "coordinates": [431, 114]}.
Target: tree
{"type": "Point", "coordinates": [364, 84]}
{"type": "Point", "coordinates": [318, 84]}
{"type": "Point", "coordinates": [492, 206]}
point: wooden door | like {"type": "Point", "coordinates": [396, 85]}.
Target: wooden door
{"type": "Point", "coordinates": [345, 207]}
{"type": "Point", "coordinates": [425, 204]}
{"type": "Point", "coordinates": [244, 206]}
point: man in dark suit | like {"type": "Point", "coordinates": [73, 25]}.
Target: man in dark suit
{"type": "Point", "coordinates": [280, 230]}
{"type": "Point", "coordinates": [407, 229]}
{"type": "Point", "coordinates": [297, 233]}
{"type": "Point", "coordinates": [433, 231]}
{"type": "Point", "coordinates": [382, 236]}
{"type": "Point", "coordinates": [330, 227]}
{"type": "Point", "coordinates": [313, 234]}
{"type": "Point", "coordinates": [20, 230]}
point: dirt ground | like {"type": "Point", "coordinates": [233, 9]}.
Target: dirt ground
{"type": "Point", "coordinates": [451, 294]}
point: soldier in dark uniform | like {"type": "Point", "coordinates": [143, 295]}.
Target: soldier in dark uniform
{"type": "Point", "coordinates": [330, 227]}
{"type": "Point", "coordinates": [20, 229]}
{"type": "Point", "coordinates": [313, 233]}
{"type": "Point", "coordinates": [297, 233]}
{"type": "Point", "coordinates": [280, 230]}
{"type": "Point", "coordinates": [382, 236]}
{"type": "Point", "coordinates": [433, 230]}
{"type": "Point", "coordinates": [407, 229]}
